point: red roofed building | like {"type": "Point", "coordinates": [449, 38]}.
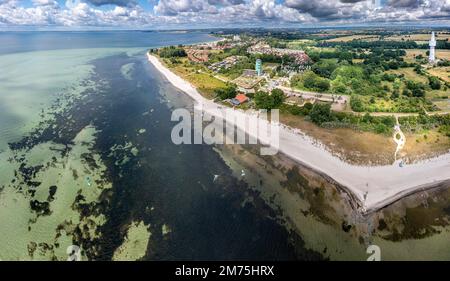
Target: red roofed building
{"type": "Point", "coordinates": [239, 99]}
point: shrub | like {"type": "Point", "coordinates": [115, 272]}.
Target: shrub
{"type": "Point", "coordinates": [321, 113]}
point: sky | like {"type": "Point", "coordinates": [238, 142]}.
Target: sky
{"type": "Point", "coordinates": [171, 14]}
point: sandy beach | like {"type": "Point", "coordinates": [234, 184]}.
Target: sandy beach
{"type": "Point", "coordinates": [374, 186]}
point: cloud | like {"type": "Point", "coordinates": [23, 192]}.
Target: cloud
{"type": "Point", "coordinates": [174, 7]}
{"type": "Point", "coordinates": [405, 3]}
{"type": "Point", "coordinates": [332, 9]}
{"type": "Point", "coordinates": [45, 3]}
{"type": "Point", "coordinates": [270, 10]}
{"type": "Point", "coordinates": [220, 13]}
{"type": "Point", "coordinates": [120, 3]}
{"type": "Point", "coordinates": [226, 2]}
{"type": "Point", "coordinates": [75, 13]}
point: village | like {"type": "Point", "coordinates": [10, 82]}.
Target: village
{"type": "Point", "coordinates": [260, 77]}
{"type": "Point", "coordinates": [365, 84]}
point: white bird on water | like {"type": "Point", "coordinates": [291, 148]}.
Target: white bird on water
{"type": "Point", "coordinates": [215, 177]}
{"type": "Point", "coordinates": [242, 173]}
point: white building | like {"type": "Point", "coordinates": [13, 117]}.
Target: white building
{"type": "Point", "coordinates": [432, 57]}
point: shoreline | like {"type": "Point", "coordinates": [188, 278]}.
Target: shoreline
{"type": "Point", "coordinates": [373, 186]}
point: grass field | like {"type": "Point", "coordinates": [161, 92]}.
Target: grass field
{"type": "Point", "coordinates": [443, 104]}
{"type": "Point", "coordinates": [365, 147]}
{"type": "Point", "coordinates": [411, 54]}
{"type": "Point", "coordinates": [353, 146]}
{"type": "Point", "coordinates": [300, 44]}
{"type": "Point", "coordinates": [420, 38]}
{"type": "Point", "coordinates": [441, 72]}
{"type": "Point", "coordinates": [322, 49]}
{"type": "Point", "coordinates": [425, 144]}
{"type": "Point", "coordinates": [409, 74]}
{"type": "Point", "coordinates": [205, 83]}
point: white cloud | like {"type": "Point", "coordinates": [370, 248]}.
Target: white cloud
{"type": "Point", "coordinates": [45, 3]}
{"type": "Point", "coordinates": [175, 7]}
{"type": "Point", "coordinates": [218, 13]}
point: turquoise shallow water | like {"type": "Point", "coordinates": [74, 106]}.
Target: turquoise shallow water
{"type": "Point", "coordinates": [38, 66]}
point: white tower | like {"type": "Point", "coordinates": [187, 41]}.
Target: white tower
{"type": "Point", "coordinates": [432, 57]}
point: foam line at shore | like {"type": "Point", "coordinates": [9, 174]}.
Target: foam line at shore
{"type": "Point", "coordinates": [374, 186]}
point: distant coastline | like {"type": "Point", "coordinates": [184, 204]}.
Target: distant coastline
{"type": "Point", "coordinates": [373, 186]}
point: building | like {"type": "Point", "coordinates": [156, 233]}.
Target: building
{"type": "Point", "coordinates": [299, 56]}
{"type": "Point", "coordinates": [197, 55]}
{"type": "Point", "coordinates": [239, 99]}
{"type": "Point", "coordinates": [432, 57]}
{"type": "Point", "coordinates": [226, 63]}
{"type": "Point", "coordinates": [258, 67]}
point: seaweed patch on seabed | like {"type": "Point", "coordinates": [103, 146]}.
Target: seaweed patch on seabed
{"type": "Point", "coordinates": [59, 172]}
{"type": "Point", "coordinates": [65, 172]}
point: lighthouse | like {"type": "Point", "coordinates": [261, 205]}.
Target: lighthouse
{"type": "Point", "coordinates": [432, 57]}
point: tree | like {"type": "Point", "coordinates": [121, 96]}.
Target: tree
{"type": "Point", "coordinates": [434, 83]}
{"type": "Point", "coordinates": [308, 106]}
{"type": "Point", "coordinates": [417, 89]}
{"type": "Point", "coordinates": [356, 104]}
{"type": "Point", "coordinates": [265, 101]}
{"type": "Point", "coordinates": [277, 97]}
{"type": "Point", "coordinates": [321, 113]}
{"type": "Point", "coordinates": [168, 52]}
{"type": "Point", "coordinates": [323, 85]}
{"type": "Point", "coordinates": [325, 68]}
{"type": "Point", "coordinates": [226, 93]}
{"type": "Point", "coordinates": [311, 81]}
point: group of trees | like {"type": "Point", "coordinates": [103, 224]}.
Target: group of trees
{"type": "Point", "coordinates": [228, 92]}
{"type": "Point", "coordinates": [414, 89]}
{"type": "Point", "coordinates": [172, 51]}
{"type": "Point", "coordinates": [426, 122]}
{"type": "Point", "coordinates": [360, 44]}
{"type": "Point", "coordinates": [372, 88]}
{"type": "Point", "coordinates": [268, 101]}
{"type": "Point", "coordinates": [434, 83]}
{"type": "Point", "coordinates": [322, 115]}
{"type": "Point", "coordinates": [339, 78]}
{"type": "Point", "coordinates": [310, 81]}
{"type": "Point", "coordinates": [340, 54]}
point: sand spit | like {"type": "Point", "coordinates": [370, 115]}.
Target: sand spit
{"type": "Point", "coordinates": [373, 186]}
